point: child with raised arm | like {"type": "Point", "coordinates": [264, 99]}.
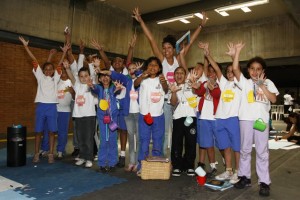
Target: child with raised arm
{"type": "Point", "coordinates": [257, 95]}
{"type": "Point", "coordinates": [209, 92]}
{"type": "Point", "coordinates": [46, 99]}
{"type": "Point", "coordinates": [107, 112]}
{"type": "Point", "coordinates": [153, 87]}
{"type": "Point", "coordinates": [227, 123]}
{"type": "Point", "coordinates": [170, 61]}
{"type": "Point", "coordinates": [84, 114]}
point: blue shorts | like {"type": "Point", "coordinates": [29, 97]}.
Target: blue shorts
{"type": "Point", "coordinates": [121, 122]}
{"type": "Point", "coordinates": [45, 113]}
{"type": "Point", "coordinates": [228, 133]}
{"type": "Point", "coordinates": [206, 136]}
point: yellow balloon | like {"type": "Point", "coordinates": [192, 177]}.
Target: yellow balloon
{"type": "Point", "coordinates": [103, 104]}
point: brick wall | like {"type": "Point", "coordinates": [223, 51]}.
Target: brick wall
{"type": "Point", "coordinates": [18, 85]}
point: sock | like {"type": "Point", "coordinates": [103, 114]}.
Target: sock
{"type": "Point", "coordinates": [122, 154]}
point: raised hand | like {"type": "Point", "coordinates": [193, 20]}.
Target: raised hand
{"type": "Point", "coordinates": [81, 46]}
{"type": "Point", "coordinates": [239, 46]}
{"type": "Point", "coordinates": [174, 88]}
{"type": "Point", "coordinates": [89, 83]}
{"type": "Point", "coordinates": [53, 51]}
{"type": "Point", "coordinates": [118, 85]}
{"type": "Point", "coordinates": [24, 42]}
{"type": "Point", "coordinates": [204, 46]}
{"type": "Point", "coordinates": [96, 44]}
{"type": "Point", "coordinates": [261, 79]}
{"type": "Point", "coordinates": [96, 62]}
{"type": "Point", "coordinates": [136, 14]}
{"type": "Point", "coordinates": [231, 49]}
{"type": "Point", "coordinates": [162, 79]}
{"type": "Point", "coordinates": [204, 20]}
{"type": "Point", "coordinates": [138, 65]}
{"type": "Point", "coordinates": [193, 76]}
{"type": "Point", "coordinates": [66, 47]}
{"type": "Point", "coordinates": [66, 64]}
{"type": "Point", "coordinates": [133, 41]}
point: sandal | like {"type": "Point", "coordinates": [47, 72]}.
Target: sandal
{"type": "Point", "coordinates": [50, 158]}
{"type": "Point", "coordinates": [36, 158]}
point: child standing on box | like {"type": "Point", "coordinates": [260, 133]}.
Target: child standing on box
{"type": "Point", "coordinates": [46, 99]}
{"type": "Point", "coordinates": [257, 95]}
{"type": "Point", "coordinates": [153, 87]}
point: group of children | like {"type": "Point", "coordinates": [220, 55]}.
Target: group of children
{"type": "Point", "coordinates": [199, 106]}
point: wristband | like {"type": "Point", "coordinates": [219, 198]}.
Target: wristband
{"type": "Point", "coordinates": [259, 82]}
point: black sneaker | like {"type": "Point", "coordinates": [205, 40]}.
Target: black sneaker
{"type": "Point", "coordinates": [212, 173]}
{"type": "Point", "coordinates": [110, 169]}
{"type": "Point", "coordinates": [190, 172]}
{"type": "Point", "coordinates": [121, 162]}
{"type": "Point", "coordinates": [243, 182]}
{"type": "Point", "coordinates": [264, 189]}
{"type": "Point", "coordinates": [103, 169]}
{"type": "Point", "coordinates": [75, 153]}
{"type": "Point", "coordinates": [176, 172]}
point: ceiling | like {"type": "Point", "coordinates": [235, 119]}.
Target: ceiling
{"type": "Point", "coordinates": [154, 10]}
{"type": "Point", "coordinates": [283, 71]}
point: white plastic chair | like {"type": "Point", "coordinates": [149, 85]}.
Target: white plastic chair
{"type": "Point", "coordinates": [280, 110]}
{"type": "Point", "coordinates": [274, 111]}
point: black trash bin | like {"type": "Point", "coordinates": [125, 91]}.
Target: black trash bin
{"type": "Point", "coordinates": [16, 146]}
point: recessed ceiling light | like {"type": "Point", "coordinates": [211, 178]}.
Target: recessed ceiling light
{"type": "Point", "coordinates": [224, 14]}
{"type": "Point", "coordinates": [246, 9]}
{"type": "Point", "coordinates": [185, 21]}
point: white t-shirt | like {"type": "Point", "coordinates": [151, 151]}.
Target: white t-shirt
{"type": "Point", "coordinates": [183, 109]}
{"type": "Point", "coordinates": [64, 97]}
{"type": "Point", "coordinates": [288, 99]}
{"type": "Point", "coordinates": [151, 97]}
{"type": "Point", "coordinates": [229, 103]}
{"type": "Point", "coordinates": [46, 86]}
{"type": "Point", "coordinates": [133, 105]}
{"type": "Point", "coordinates": [254, 104]}
{"type": "Point", "coordinates": [168, 71]}
{"type": "Point", "coordinates": [84, 105]}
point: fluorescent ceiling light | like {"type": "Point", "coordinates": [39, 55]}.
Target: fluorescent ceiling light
{"type": "Point", "coordinates": [181, 18]}
{"type": "Point", "coordinates": [185, 21]}
{"type": "Point", "coordinates": [241, 5]}
{"type": "Point", "coordinates": [175, 19]}
{"type": "Point", "coordinates": [246, 9]}
{"type": "Point", "coordinates": [199, 15]}
{"type": "Point", "coordinates": [224, 14]}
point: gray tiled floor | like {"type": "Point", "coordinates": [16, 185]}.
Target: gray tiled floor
{"type": "Point", "coordinates": [284, 170]}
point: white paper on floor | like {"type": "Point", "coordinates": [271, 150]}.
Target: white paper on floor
{"type": "Point", "coordinates": [7, 184]}
{"type": "Point", "coordinates": [291, 147]}
{"type": "Point", "coordinates": [278, 144]}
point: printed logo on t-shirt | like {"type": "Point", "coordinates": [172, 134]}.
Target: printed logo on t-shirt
{"type": "Point", "coordinates": [133, 95]}
{"type": "Point", "coordinates": [155, 97]}
{"type": "Point", "coordinates": [170, 77]}
{"type": "Point", "coordinates": [250, 96]}
{"type": "Point", "coordinates": [80, 100]}
{"type": "Point", "coordinates": [227, 95]}
{"type": "Point", "coordinates": [260, 96]}
{"type": "Point", "coordinates": [61, 94]}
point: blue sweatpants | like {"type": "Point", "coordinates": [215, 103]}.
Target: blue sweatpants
{"type": "Point", "coordinates": [108, 148]}
{"type": "Point", "coordinates": [155, 131]}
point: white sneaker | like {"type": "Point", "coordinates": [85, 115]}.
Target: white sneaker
{"type": "Point", "coordinates": [80, 162]}
{"type": "Point", "coordinates": [234, 178]}
{"type": "Point", "coordinates": [88, 164]}
{"type": "Point", "coordinates": [224, 176]}
{"type": "Point", "coordinates": [59, 155]}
